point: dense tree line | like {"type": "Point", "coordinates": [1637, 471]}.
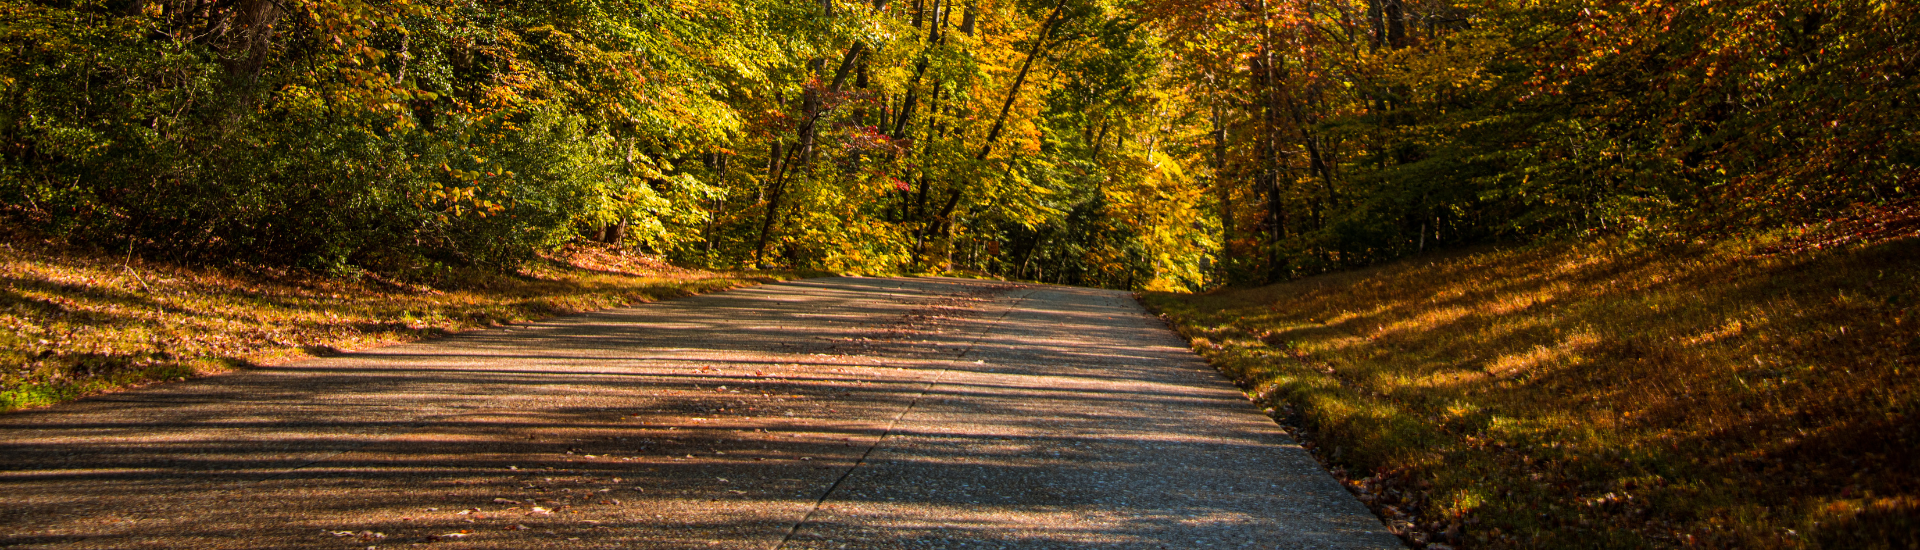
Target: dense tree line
{"type": "Point", "coordinates": [1346, 132]}
{"type": "Point", "coordinates": [1142, 144]}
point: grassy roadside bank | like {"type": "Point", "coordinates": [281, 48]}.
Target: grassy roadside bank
{"type": "Point", "coordinates": [74, 323]}
{"type": "Point", "coordinates": [1752, 393]}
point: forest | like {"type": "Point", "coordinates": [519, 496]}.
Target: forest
{"type": "Point", "coordinates": [1522, 273]}
{"type": "Point", "coordinates": [1135, 144]}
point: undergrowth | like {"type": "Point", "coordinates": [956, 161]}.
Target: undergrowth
{"type": "Point", "coordinates": [1737, 394]}
{"type": "Point", "coordinates": [75, 322]}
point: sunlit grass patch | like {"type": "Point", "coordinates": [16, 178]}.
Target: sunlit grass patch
{"type": "Point", "coordinates": [1601, 395]}
{"type": "Point", "coordinates": [74, 323]}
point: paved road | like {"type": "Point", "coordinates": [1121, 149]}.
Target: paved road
{"type": "Point", "coordinates": [825, 413]}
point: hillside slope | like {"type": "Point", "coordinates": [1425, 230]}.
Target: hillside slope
{"type": "Point", "coordinates": [1751, 393]}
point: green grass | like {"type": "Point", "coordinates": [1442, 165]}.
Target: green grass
{"type": "Point", "coordinates": [1598, 395]}
{"type": "Point", "coordinates": [75, 323]}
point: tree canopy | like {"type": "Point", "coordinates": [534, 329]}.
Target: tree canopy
{"type": "Point", "coordinates": [1165, 144]}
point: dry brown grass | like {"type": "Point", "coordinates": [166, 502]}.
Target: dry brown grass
{"type": "Point", "coordinates": [1599, 396]}
{"type": "Point", "coordinates": [75, 323]}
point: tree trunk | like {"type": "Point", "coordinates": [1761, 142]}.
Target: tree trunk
{"type": "Point", "coordinates": [1221, 185]}
{"type": "Point", "coordinates": [1396, 25]}
{"type": "Point", "coordinates": [812, 107]}
{"type": "Point", "coordinates": [1377, 29]}
{"type": "Point", "coordinates": [1270, 148]}
{"type": "Point", "coordinates": [717, 168]}
{"type": "Point", "coordinates": [1039, 44]}
{"type": "Point", "coordinates": [1000, 122]}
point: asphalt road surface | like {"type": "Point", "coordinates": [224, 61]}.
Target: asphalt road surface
{"type": "Point", "coordinates": [824, 413]}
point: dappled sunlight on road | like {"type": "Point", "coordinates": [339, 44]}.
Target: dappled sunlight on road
{"type": "Point", "coordinates": [815, 414]}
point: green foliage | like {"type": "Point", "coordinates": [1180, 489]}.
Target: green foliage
{"type": "Point", "coordinates": [1359, 131]}
{"type": "Point", "coordinates": [408, 138]}
{"type": "Point", "coordinates": [1168, 144]}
